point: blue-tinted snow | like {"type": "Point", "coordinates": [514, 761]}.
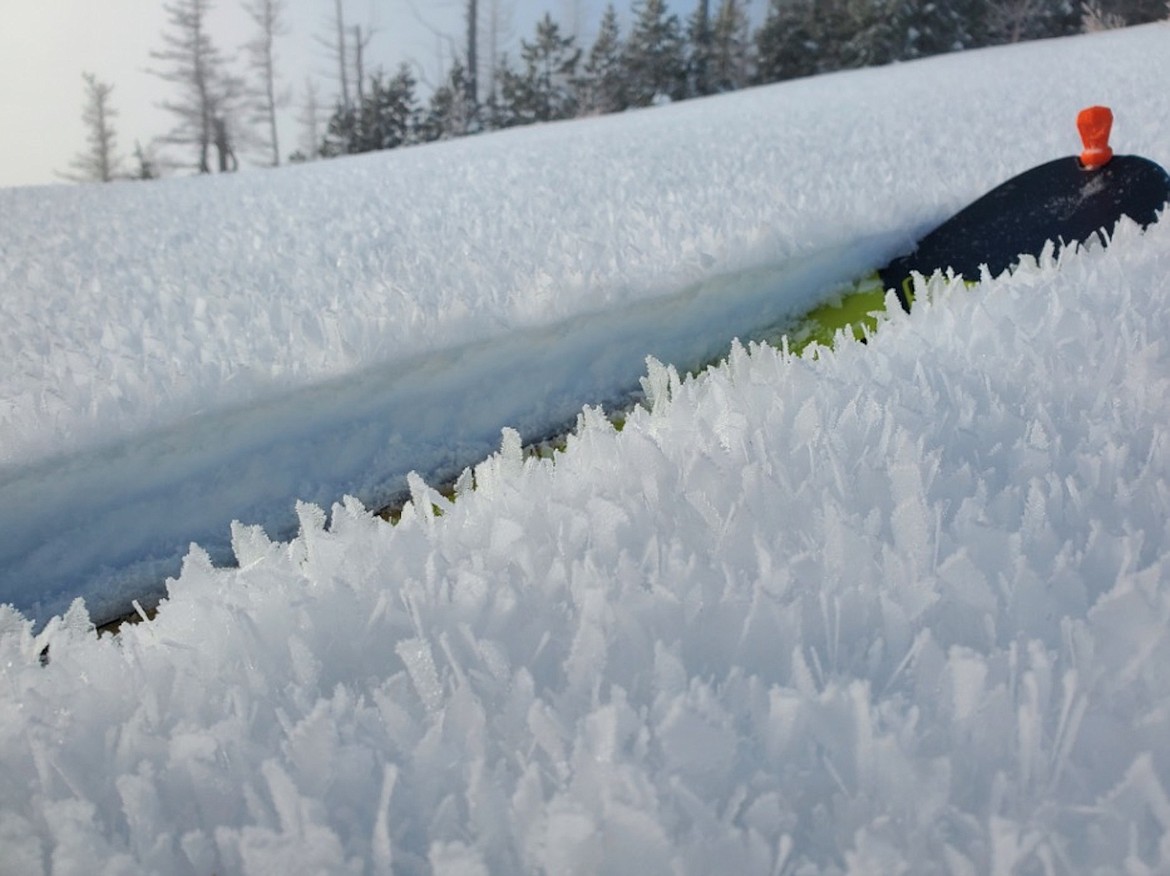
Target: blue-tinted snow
{"type": "Point", "coordinates": [904, 607]}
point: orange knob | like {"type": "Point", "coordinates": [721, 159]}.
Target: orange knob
{"type": "Point", "coordinates": [1094, 123]}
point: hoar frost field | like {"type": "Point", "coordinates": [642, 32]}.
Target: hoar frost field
{"type": "Point", "coordinates": [902, 607]}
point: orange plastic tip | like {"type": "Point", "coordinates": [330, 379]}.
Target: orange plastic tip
{"type": "Point", "coordinates": [1094, 123]}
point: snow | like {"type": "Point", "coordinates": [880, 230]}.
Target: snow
{"type": "Point", "coordinates": [901, 607]}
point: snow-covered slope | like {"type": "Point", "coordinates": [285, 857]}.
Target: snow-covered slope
{"type": "Point", "coordinates": [902, 608]}
{"type": "Point", "coordinates": [202, 350]}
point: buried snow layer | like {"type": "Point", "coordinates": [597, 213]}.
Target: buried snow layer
{"type": "Point", "coordinates": [904, 607]}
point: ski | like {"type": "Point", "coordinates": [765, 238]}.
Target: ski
{"type": "Point", "coordinates": [1067, 201]}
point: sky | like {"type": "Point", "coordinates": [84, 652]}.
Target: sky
{"type": "Point", "coordinates": [46, 45]}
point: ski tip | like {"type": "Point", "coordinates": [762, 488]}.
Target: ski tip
{"type": "Point", "coordinates": [1095, 123]}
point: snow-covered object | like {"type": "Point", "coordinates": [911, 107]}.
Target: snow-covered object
{"type": "Point", "coordinates": [904, 607]}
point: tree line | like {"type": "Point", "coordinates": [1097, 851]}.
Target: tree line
{"type": "Point", "coordinates": [659, 57]}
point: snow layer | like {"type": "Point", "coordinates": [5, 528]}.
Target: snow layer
{"type": "Point", "coordinates": [198, 351]}
{"type": "Point", "coordinates": [900, 608]}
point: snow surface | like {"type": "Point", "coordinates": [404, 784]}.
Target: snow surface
{"type": "Point", "coordinates": [205, 350]}
{"type": "Point", "coordinates": [900, 608]}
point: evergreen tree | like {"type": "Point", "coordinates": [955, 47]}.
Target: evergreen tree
{"type": "Point", "coordinates": [389, 112]}
{"type": "Point", "coordinates": [342, 132]}
{"type": "Point", "coordinates": [1131, 12]}
{"type": "Point", "coordinates": [872, 32]}
{"type": "Point", "coordinates": [603, 88]}
{"type": "Point", "coordinates": [654, 59]}
{"type": "Point", "coordinates": [1012, 21]}
{"type": "Point", "coordinates": [786, 43]}
{"type": "Point", "coordinates": [491, 115]}
{"type": "Point", "coordinates": [730, 41]}
{"type": "Point", "coordinates": [386, 118]}
{"type": "Point", "coordinates": [99, 162]}
{"type": "Point", "coordinates": [700, 41]}
{"type": "Point", "coordinates": [145, 169]}
{"type": "Point", "coordinates": [544, 91]}
{"type": "Point", "coordinates": [1095, 19]}
{"type": "Point", "coordinates": [930, 28]}
{"type": "Point", "coordinates": [836, 24]}
{"type": "Point", "coordinates": [448, 113]}
{"type": "Point", "coordinates": [803, 37]}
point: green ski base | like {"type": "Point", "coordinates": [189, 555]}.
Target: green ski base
{"type": "Point", "coordinates": [855, 313]}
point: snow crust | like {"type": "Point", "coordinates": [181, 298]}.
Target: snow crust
{"type": "Point", "coordinates": [903, 607]}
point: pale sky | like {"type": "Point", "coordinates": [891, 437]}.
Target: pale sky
{"type": "Point", "coordinates": [46, 45]}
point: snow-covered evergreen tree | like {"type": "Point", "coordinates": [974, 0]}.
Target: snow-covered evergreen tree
{"type": "Point", "coordinates": [544, 91]}
{"type": "Point", "coordinates": [390, 112]}
{"type": "Point", "coordinates": [654, 56]}
{"type": "Point", "coordinates": [386, 118]}
{"type": "Point", "coordinates": [730, 66]}
{"type": "Point", "coordinates": [1139, 11]}
{"type": "Point", "coordinates": [786, 43]}
{"type": "Point", "coordinates": [869, 33]}
{"type": "Point", "coordinates": [449, 113]}
{"type": "Point", "coordinates": [603, 87]}
{"type": "Point", "coordinates": [1096, 15]}
{"type": "Point", "coordinates": [699, 50]}
{"type": "Point", "coordinates": [931, 28]}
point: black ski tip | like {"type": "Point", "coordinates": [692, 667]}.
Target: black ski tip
{"type": "Point", "coordinates": [1061, 201]}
